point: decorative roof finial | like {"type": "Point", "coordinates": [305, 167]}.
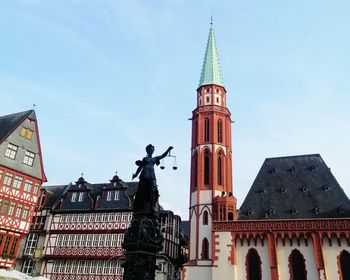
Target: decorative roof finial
{"type": "Point", "coordinates": [82, 174]}
{"type": "Point", "coordinates": [34, 106]}
{"type": "Point", "coordinates": [211, 21]}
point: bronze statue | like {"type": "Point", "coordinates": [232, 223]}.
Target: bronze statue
{"type": "Point", "coordinates": [146, 199]}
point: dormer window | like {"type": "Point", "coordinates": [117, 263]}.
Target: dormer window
{"type": "Point", "coordinates": [81, 196]}
{"type": "Point", "coordinates": [116, 195]}
{"type": "Point", "coordinates": [115, 184]}
{"type": "Point", "coordinates": [109, 196]}
{"type": "Point", "coordinates": [11, 151]}
{"type": "Point", "coordinates": [29, 158]}
{"type": "Point", "coordinates": [74, 197]}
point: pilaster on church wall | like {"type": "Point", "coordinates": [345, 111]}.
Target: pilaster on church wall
{"type": "Point", "coordinates": [222, 265]}
{"type": "Point", "coordinates": [305, 248]}
{"type": "Point", "coordinates": [331, 251]}
{"type": "Point", "coordinates": [242, 248]}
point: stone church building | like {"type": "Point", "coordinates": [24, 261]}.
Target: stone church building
{"type": "Point", "coordinates": [294, 223]}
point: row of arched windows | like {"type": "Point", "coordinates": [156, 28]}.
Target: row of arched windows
{"type": "Point", "coordinates": [219, 131]}
{"type": "Point", "coordinates": [297, 267]}
{"type": "Point", "coordinates": [207, 168]}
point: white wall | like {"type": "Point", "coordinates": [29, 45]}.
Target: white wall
{"type": "Point", "coordinates": [283, 253]}
{"type": "Point", "coordinates": [241, 254]}
{"type": "Point", "coordinates": [330, 255]}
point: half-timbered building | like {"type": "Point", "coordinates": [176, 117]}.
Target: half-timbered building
{"type": "Point", "coordinates": [21, 177]}
{"type": "Point", "coordinates": [84, 229]}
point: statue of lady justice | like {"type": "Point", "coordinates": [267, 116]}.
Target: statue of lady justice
{"type": "Point", "coordinates": [146, 199]}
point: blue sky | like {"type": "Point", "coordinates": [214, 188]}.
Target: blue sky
{"type": "Point", "coordinates": [110, 77]}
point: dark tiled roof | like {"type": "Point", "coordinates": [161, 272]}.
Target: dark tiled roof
{"type": "Point", "coordinates": [60, 193]}
{"type": "Point", "coordinates": [54, 193]}
{"type": "Point", "coordinates": [9, 123]}
{"type": "Point", "coordinates": [295, 187]}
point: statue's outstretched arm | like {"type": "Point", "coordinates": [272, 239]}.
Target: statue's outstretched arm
{"type": "Point", "coordinates": [164, 154]}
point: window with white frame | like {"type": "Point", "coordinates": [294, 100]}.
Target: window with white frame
{"type": "Point", "coordinates": [28, 266]}
{"type": "Point", "coordinates": [62, 267]}
{"type": "Point", "coordinates": [114, 240]}
{"type": "Point", "coordinates": [110, 217]}
{"type": "Point", "coordinates": [116, 195]}
{"type": "Point", "coordinates": [63, 218]}
{"type": "Point", "coordinates": [130, 216]}
{"type": "Point", "coordinates": [81, 196]}
{"type": "Point", "coordinates": [107, 241]}
{"type": "Point", "coordinates": [86, 218]}
{"type": "Point", "coordinates": [65, 240]}
{"type": "Point", "coordinates": [80, 269]}
{"type": "Point", "coordinates": [19, 210]}
{"type": "Point", "coordinates": [36, 189]}
{"type": "Point", "coordinates": [71, 240]}
{"type": "Point", "coordinates": [124, 217]}
{"type": "Point", "coordinates": [117, 217]}
{"type": "Point", "coordinates": [101, 240]}
{"type": "Point", "coordinates": [87, 267]}
{"type": "Point", "coordinates": [99, 267]}
{"type": "Point", "coordinates": [59, 240]}
{"type": "Point", "coordinates": [17, 182]}
{"type": "Point", "coordinates": [109, 196]}
{"type": "Point", "coordinates": [12, 208]}
{"type": "Point", "coordinates": [92, 217]}
{"type": "Point", "coordinates": [28, 186]}
{"type": "Point", "coordinates": [74, 197]}
{"type": "Point", "coordinates": [119, 268]}
{"type": "Point", "coordinates": [89, 240]}
{"type": "Point", "coordinates": [112, 267]}
{"type": "Point", "coordinates": [25, 213]}
{"type": "Point", "coordinates": [8, 179]}
{"type": "Point", "coordinates": [83, 240]}
{"type": "Point", "coordinates": [120, 240]}
{"type": "Point", "coordinates": [11, 151]}
{"type": "Point", "coordinates": [29, 158]}
{"type": "Point", "coordinates": [95, 242]}
{"type": "Point", "coordinates": [32, 240]}
{"type": "Point", "coordinates": [93, 267]}
{"type": "Point", "coordinates": [98, 217]}
{"type": "Point", "coordinates": [104, 217]}
{"type": "Point", "coordinates": [105, 267]}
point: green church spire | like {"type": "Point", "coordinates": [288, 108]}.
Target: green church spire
{"type": "Point", "coordinates": [211, 72]}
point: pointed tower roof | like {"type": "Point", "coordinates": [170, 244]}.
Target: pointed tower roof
{"type": "Point", "coordinates": [211, 71]}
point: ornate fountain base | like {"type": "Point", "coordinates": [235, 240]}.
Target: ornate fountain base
{"type": "Point", "coordinates": [142, 243]}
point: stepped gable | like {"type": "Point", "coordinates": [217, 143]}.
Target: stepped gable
{"type": "Point", "coordinates": [295, 187]}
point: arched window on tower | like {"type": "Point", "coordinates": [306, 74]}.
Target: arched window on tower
{"type": "Point", "coordinates": [195, 170]}
{"type": "Point", "coordinates": [206, 130]}
{"type": "Point", "coordinates": [344, 265]}
{"type": "Point", "coordinates": [219, 169]}
{"type": "Point", "coordinates": [195, 136]}
{"type": "Point", "coordinates": [220, 131]}
{"type": "Point", "coordinates": [297, 269]}
{"type": "Point", "coordinates": [206, 167]}
{"type": "Point", "coordinates": [253, 265]}
{"type": "Point", "coordinates": [205, 249]}
{"type": "Point", "coordinates": [205, 217]}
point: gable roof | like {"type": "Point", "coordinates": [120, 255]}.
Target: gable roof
{"type": "Point", "coordinates": [10, 122]}
{"type": "Point", "coordinates": [295, 187]}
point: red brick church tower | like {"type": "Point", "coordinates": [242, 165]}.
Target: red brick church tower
{"type": "Point", "coordinates": [211, 159]}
